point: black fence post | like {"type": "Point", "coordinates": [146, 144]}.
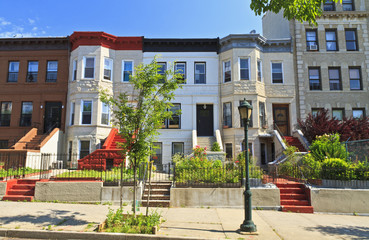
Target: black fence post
{"type": "Point", "coordinates": [174, 173]}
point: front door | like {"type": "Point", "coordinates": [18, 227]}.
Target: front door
{"type": "Point", "coordinates": [52, 119]}
{"type": "Point", "coordinates": [281, 118]}
{"type": "Point", "coordinates": [205, 120]}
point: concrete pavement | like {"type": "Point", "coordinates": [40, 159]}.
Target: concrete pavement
{"type": "Point", "coordinates": [77, 221]}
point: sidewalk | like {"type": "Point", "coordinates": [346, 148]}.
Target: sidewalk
{"type": "Point", "coordinates": [30, 218]}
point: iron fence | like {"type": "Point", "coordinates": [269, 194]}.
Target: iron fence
{"type": "Point", "coordinates": [358, 150]}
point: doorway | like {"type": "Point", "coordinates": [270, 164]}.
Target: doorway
{"type": "Point", "coordinates": [281, 118]}
{"type": "Point", "coordinates": [205, 120]}
{"type": "Point", "coordinates": [52, 118]}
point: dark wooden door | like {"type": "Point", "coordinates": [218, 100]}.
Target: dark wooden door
{"type": "Point", "coordinates": [281, 118]}
{"type": "Point", "coordinates": [52, 119]}
{"type": "Point", "coordinates": [205, 120]}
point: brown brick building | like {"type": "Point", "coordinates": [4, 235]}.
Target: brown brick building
{"type": "Point", "coordinates": [33, 86]}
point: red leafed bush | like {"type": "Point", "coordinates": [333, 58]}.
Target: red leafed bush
{"type": "Point", "coordinates": [322, 123]}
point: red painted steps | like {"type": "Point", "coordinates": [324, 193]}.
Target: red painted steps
{"type": "Point", "coordinates": [294, 198]}
{"type": "Point", "coordinates": [294, 141]}
{"type": "Point", "coordinates": [21, 190]}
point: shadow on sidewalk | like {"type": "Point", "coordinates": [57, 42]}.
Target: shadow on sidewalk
{"type": "Point", "coordinates": [352, 231]}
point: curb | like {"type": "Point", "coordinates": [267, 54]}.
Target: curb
{"type": "Point", "coordinates": [41, 234]}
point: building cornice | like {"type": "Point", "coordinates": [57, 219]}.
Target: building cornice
{"type": "Point", "coordinates": [35, 43]}
{"type": "Point", "coordinates": [180, 44]}
{"type": "Point", "coordinates": [344, 14]}
{"type": "Point", "coordinates": [105, 40]}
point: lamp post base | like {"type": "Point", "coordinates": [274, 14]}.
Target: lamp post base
{"type": "Point", "coordinates": [248, 226]}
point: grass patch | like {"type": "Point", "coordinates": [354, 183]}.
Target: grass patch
{"type": "Point", "coordinates": [106, 176]}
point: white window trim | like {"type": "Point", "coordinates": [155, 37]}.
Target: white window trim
{"type": "Point", "coordinates": [225, 71]}
{"type": "Point", "coordinates": [80, 145]}
{"type": "Point", "coordinates": [261, 69]}
{"type": "Point", "coordinates": [133, 68]}
{"type": "Point", "coordinates": [239, 68]}
{"type": "Point", "coordinates": [271, 71]}
{"type": "Point", "coordinates": [72, 109]}
{"type": "Point", "coordinates": [81, 110]}
{"type": "Point", "coordinates": [84, 64]}
{"type": "Point", "coordinates": [74, 68]}
{"type": "Point", "coordinates": [102, 105]}
{"type": "Point", "coordinates": [112, 69]}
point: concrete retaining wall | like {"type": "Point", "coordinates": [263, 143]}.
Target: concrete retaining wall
{"type": "Point", "coordinates": [223, 197]}
{"type": "Point", "coordinates": [112, 194]}
{"type": "Point", "coordinates": [340, 200]}
{"type": "Point", "coordinates": [2, 189]}
{"type": "Point", "coordinates": [358, 184]}
{"type": "Point", "coordinates": [68, 191]}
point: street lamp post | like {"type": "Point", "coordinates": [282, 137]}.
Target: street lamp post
{"type": "Point", "coordinates": [248, 225]}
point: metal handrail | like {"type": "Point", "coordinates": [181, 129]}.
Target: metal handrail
{"type": "Point", "coordinates": [279, 131]}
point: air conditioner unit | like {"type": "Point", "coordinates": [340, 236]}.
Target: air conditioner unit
{"type": "Point", "coordinates": [313, 47]}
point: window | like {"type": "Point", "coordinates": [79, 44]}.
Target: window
{"type": "Point", "coordinates": [108, 68]}
{"type": "Point", "coordinates": [89, 67]}
{"type": "Point", "coordinates": [227, 115]}
{"type": "Point", "coordinates": [262, 117]}
{"type": "Point", "coordinates": [331, 40]}
{"type": "Point", "coordinates": [70, 150]}
{"type": "Point", "coordinates": [351, 40]}
{"type": "Point", "coordinates": [86, 111]}
{"type": "Point", "coordinates": [52, 71]}
{"type": "Point", "coordinates": [161, 71]}
{"type": "Point", "coordinates": [227, 73]}
{"type": "Point", "coordinates": [4, 144]}
{"type": "Point", "coordinates": [348, 5]}
{"type": "Point", "coordinates": [175, 122]}
{"type": "Point", "coordinates": [358, 113]}
{"type": "Point", "coordinates": [229, 150]}
{"type": "Point", "coordinates": [315, 111]}
{"type": "Point", "coordinates": [13, 72]}
{"type": "Point", "coordinates": [314, 79]}
{"type": "Point", "coordinates": [5, 114]}
{"type": "Point", "coordinates": [72, 112]}
{"type": "Point", "coordinates": [127, 70]}
{"type": "Point", "coordinates": [157, 156]}
{"type": "Point", "coordinates": [200, 73]}
{"type": "Point", "coordinates": [26, 114]}
{"type": "Point", "coordinates": [32, 71]}
{"type": "Point", "coordinates": [263, 153]}
{"type": "Point", "coordinates": [74, 70]}
{"type": "Point", "coordinates": [105, 114]}
{"type": "Point", "coordinates": [250, 121]}
{"type": "Point", "coordinates": [338, 113]}
{"type": "Point", "coordinates": [84, 148]}
{"type": "Point", "coordinates": [329, 5]}
{"type": "Point", "coordinates": [355, 78]}
{"type": "Point", "coordinates": [334, 78]}
{"type": "Point", "coordinates": [177, 147]}
{"type": "Point", "coordinates": [311, 40]}
{"type": "Point", "coordinates": [180, 68]}
{"type": "Point", "coordinates": [250, 147]}
{"type": "Point", "coordinates": [277, 73]}
{"type": "Point", "coordinates": [259, 70]}
{"type": "Point", "coordinates": [244, 69]}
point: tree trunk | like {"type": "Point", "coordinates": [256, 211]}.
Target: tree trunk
{"type": "Point", "coordinates": [134, 186]}
{"type": "Point", "coordinates": [148, 194]}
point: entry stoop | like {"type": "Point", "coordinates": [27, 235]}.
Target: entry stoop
{"type": "Point", "coordinates": [159, 194]}
{"type": "Point", "coordinates": [294, 198]}
{"type": "Point", "coordinates": [22, 190]}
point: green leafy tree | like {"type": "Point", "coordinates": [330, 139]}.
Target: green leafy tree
{"type": "Point", "coordinates": [301, 10]}
{"type": "Point", "coordinates": [139, 114]}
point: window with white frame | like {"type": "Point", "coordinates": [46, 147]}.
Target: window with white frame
{"type": "Point", "coordinates": [334, 74]}
{"type": "Point", "coordinates": [32, 71]}
{"type": "Point", "coordinates": [175, 122]}
{"type": "Point", "coordinates": [105, 114]}
{"type": "Point", "coordinates": [177, 147]}
{"type": "Point", "coordinates": [244, 69]}
{"type": "Point", "coordinates": [72, 112]}
{"type": "Point", "coordinates": [262, 116]}
{"type": "Point", "coordinates": [162, 70]}
{"type": "Point", "coordinates": [180, 68]}
{"type": "Point", "coordinates": [52, 71]}
{"type": "Point", "coordinates": [227, 115]}
{"type": "Point", "coordinates": [84, 148]}
{"type": "Point", "coordinates": [277, 72]}
{"type": "Point", "coordinates": [108, 68]}
{"type": "Point", "coordinates": [355, 78]}
{"type": "Point", "coordinates": [13, 71]}
{"type": "Point", "coordinates": [127, 69]}
{"type": "Point", "coordinates": [200, 73]}
{"type": "Point", "coordinates": [89, 67]}
{"type": "Point", "coordinates": [259, 63]}
{"type": "Point", "coordinates": [74, 70]}
{"type": "Point", "coordinates": [227, 73]}
{"type": "Point", "coordinates": [86, 111]}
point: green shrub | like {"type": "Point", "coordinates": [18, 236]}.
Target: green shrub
{"type": "Point", "coordinates": [215, 147]}
{"type": "Point", "coordinates": [337, 169]}
{"type": "Point", "coordinates": [310, 168]}
{"type": "Point", "coordinates": [328, 146]}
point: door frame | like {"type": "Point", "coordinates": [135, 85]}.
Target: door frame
{"type": "Point", "coordinates": [280, 106]}
{"type": "Point", "coordinates": [198, 109]}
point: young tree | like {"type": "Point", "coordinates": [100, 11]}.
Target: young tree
{"type": "Point", "coordinates": [139, 114]}
{"type": "Point", "coordinates": [301, 10]}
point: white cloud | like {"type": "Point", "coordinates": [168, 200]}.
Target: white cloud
{"type": "Point", "coordinates": [14, 30]}
{"type": "Point", "coordinates": [3, 22]}
{"type": "Point", "coordinates": [31, 21]}
{"type": "Point", "coordinates": [34, 29]}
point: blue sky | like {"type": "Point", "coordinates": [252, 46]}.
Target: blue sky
{"type": "Point", "coordinates": [149, 18]}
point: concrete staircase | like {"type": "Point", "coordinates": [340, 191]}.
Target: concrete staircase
{"type": "Point", "coordinates": [294, 141]}
{"type": "Point", "coordinates": [206, 142]}
{"type": "Point", "coordinates": [21, 190]}
{"type": "Point", "coordinates": [294, 198]}
{"type": "Point", "coordinates": [159, 194]}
